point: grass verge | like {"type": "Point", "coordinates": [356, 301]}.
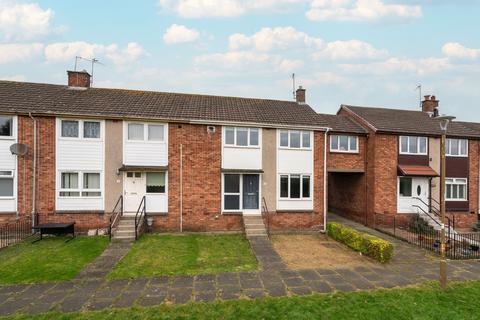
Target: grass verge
{"type": "Point", "coordinates": [155, 255]}
{"type": "Point", "coordinates": [51, 259]}
{"type": "Point", "coordinates": [459, 301]}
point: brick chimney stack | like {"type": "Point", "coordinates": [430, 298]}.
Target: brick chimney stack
{"type": "Point", "coordinates": [430, 105]}
{"type": "Point", "coordinates": [79, 79]}
{"type": "Point", "coordinates": [300, 95]}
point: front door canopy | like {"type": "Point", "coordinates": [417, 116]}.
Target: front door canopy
{"type": "Point", "coordinates": [420, 171]}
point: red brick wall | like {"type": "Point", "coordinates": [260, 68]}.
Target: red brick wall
{"type": "Point", "coordinates": [385, 187]}
{"type": "Point", "coordinates": [346, 195]}
{"type": "Point", "coordinates": [338, 160]}
{"type": "Point", "coordinates": [45, 195]}
{"type": "Point", "coordinates": [201, 182]}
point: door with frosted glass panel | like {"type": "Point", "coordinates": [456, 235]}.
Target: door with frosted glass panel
{"type": "Point", "coordinates": [251, 193]}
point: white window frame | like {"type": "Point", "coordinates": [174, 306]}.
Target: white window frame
{"type": "Point", "coordinates": [455, 181]}
{"type": "Point", "coordinates": [301, 186]}
{"type": "Point", "coordinates": [145, 132]}
{"type": "Point", "coordinates": [240, 193]}
{"type": "Point", "coordinates": [81, 134]}
{"type": "Point", "coordinates": [10, 176]}
{"type": "Point", "coordinates": [235, 143]}
{"type": "Point", "coordinates": [411, 188]}
{"type": "Point", "coordinates": [418, 153]}
{"type": "Point", "coordinates": [80, 188]}
{"type": "Point", "coordinates": [13, 133]}
{"type": "Point", "coordinates": [448, 144]}
{"type": "Point", "coordinates": [155, 193]}
{"type": "Point", "coordinates": [301, 132]}
{"type": "Point", "coordinates": [338, 150]}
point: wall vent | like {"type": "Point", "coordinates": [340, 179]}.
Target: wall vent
{"type": "Point", "coordinates": [210, 129]}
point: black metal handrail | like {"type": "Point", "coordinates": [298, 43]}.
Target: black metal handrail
{"type": "Point", "coordinates": [439, 223]}
{"type": "Point", "coordinates": [437, 211]}
{"type": "Point", "coordinates": [16, 231]}
{"type": "Point", "coordinates": [115, 215]}
{"type": "Point", "coordinates": [266, 213]}
{"type": "Point", "coordinates": [140, 216]}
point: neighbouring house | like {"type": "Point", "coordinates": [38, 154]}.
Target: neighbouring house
{"type": "Point", "coordinates": [199, 162]}
{"type": "Point", "coordinates": [403, 162]}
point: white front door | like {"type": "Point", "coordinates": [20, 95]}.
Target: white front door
{"type": "Point", "coordinates": [134, 190]}
{"type": "Point", "coordinates": [413, 192]}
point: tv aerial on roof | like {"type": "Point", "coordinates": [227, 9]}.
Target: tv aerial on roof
{"type": "Point", "coordinates": [93, 61]}
{"type": "Point", "coordinates": [19, 149]}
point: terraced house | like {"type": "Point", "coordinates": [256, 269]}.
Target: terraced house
{"type": "Point", "coordinates": [192, 162]}
{"type": "Point", "coordinates": [403, 163]}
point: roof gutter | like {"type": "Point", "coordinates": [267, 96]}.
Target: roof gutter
{"type": "Point", "coordinates": [258, 124]}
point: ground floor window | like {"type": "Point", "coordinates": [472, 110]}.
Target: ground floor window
{"type": "Point", "coordinates": [405, 189]}
{"type": "Point", "coordinates": [295, 186]}
{"type": "Point", "coordinates": [456, 189]}
{"type": "Point", "coordinates": [6, 183]}
{"type": "Point", "coordinates": [155, 182]}
{"type": "Point", "coordinates": [241, 192]}
{"type": "Point", "coordinates": [80, 184]}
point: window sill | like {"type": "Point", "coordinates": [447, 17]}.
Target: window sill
{"type": "Point", "coordinates": [7, 138]}
{"type": "Point", "coordinates": [157, 214]}
{"type": "Point", "coordinates": [7, 213]}
{"type": "Point", "coordinates": [241, 147]}
{"type": "Point", "coordinates": [458, 156]}
{"type": "Point", "coordinates": [232, 213]}
{"type": "Point", "coordinates": [344, 152]}
{"type": "Point", "coordinates": [295, 149]}
{"type": "Point", "coordinates": [413, 154]}
{"type": "Point", "coordinates": [79, 212]}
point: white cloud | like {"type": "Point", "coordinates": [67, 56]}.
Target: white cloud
{"type": "Point", "coordinates": [180, 34]}
{"type": "Point", "coordinates": [17, 77]}
{"type": "Point", "coordinates": [11, 52]}
{"type": "Point", "coordinates": [349, 50]}
{"type": "Point", "coordinates": [397, 65]}
{"type": "Point", "coordinates": [64, 51]}
{"type": "Point", "coordinates": [360, 10]}
{"type": "Point", "coordinates": [458, 51]}
{"type": "Point", "coordinates": [224, 8]}
{"type": "Point", "coordinates": [279, 38]}
{"type": "Point", "coordinates": [20, 20]}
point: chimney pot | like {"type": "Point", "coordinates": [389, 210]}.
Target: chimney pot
{"type": "Point", "coordinates": [300, 95]}
{"type": "Point", "coordinates": [79, 79]}
{"type": "Point", "coordinates": [430, 105]}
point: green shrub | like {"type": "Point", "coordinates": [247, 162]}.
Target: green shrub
{"type": "Point", "coordinates": [374, 247]}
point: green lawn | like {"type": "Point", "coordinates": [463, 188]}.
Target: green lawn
{"type": "Point", "coordinates": [185, 254]}
{"type": "Point", "coordinates": [460, 301]}
{"type": "Point", "coordinates": [51, 259]}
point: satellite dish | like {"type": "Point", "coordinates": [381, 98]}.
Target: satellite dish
{"type": "Point", "coordinates": [19, 149]}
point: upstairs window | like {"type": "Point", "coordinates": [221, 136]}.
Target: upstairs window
{"type": "Point", "coordinates": [294, 139]}
{"type": "Point", "coordinates": [343, 143]}
{"type": "Point", "coordinates": [80, 129]}
{"type": "Point", "coordinates": [413, 145]}
{"type": "Point", "coordinates": [456, 189]}
{"type": "Point", "coordinates": [6, 124]}
{"type": "Point", "coordinates": [456, 147]}
{"type": "Point", "coordinates": [146, 132]}
{"type": "Point", "coordinates": [241, 137]}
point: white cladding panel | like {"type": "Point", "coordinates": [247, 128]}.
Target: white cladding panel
{"type": "Point", "coordinates": [157, 203]}
{"type": "Point", "coordinates": [84, 155]}
{"type": "Point", "coordinates": [294, 161]}
{"type": "Point", "coordinates": [242, 158]}
{"type": "Point", "coordinates": [8, 161]}
{"type": "Point", "coordinates": [145, 153]}
{"type": "Point", "coordinates": [295, 204]}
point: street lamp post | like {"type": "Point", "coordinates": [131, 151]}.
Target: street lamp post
{"type": "Point", "coordinates": [444, 121]}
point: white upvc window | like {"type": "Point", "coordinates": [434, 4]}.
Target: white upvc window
{"type": "Point", "coordinates": [6, 127]}
{"type": "Point", "coordinates": [456, 147]}
{"type": "Point", "coordinates": [80, 129]}
{"type": "Point", "coordinates": [295, 186]}
{"type": "Point", "coordinates": [295, 139]}
{"type": "Point", "coordinates": [456, 189]}
{"type": "Point", "coordinates": [80, 184]}
{"type": "Point", "coordinates": [241, 136]}
{"type": "Point", "coordinates": [232, 192]}
{"type": "Point", "coordinates": [145, 132]}
{"type": "Point", "coordinates": [6, 184]}
{"type": "Point", "coordinates": [344, 143]}
{"type": "Point", "coordinates": [413, 145]}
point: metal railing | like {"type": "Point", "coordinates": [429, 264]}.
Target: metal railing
{"type": "Point", "coordinates": [266, 216]}
{"type": "Point", "coordinates": [115, 216]}
{"type": "Point", "coordinates": [16, 231]}
{"type": "Point", "coordinates": [140, 217]}
{"type": "Point", "coordinates": [413, 229]}
{"type": "Point", "coordinates": [436, 211]}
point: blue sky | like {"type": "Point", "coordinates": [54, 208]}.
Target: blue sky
{"type": "Point", "coordinates": [361, 52]}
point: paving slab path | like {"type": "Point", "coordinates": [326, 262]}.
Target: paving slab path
{"type": "Point", "coordinates": [91, 291]}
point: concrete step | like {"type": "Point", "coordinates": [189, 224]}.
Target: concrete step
{"type": "Point", "coordinates": [123, 238]}
{"type": "Point", "coordinates": [256, 232]}
{"type": "Point", "coordinates": [254, 224]}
